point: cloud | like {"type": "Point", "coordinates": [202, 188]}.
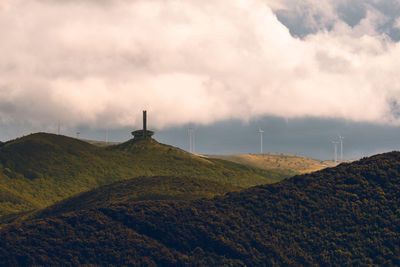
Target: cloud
{"type": "Point", "coordinates": [100, 63]}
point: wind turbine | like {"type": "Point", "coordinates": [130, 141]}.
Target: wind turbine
{"type": "Point", "coordinates": [335, 143]}
{"type": "Point", "coordinates": [341, 147]}
{"type": "Point", "coordinates": [193, 142]}
{"type": "Point", "coordinates": [191, 139]}
{"type": "Point", "coordinates": [260, 131]}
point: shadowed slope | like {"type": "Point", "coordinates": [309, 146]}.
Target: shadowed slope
{"type": "Point", "coordinates": [347, 215]}
{"type": "Point", "coordinates": [141, 188]}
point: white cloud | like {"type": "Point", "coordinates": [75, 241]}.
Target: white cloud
{"type": "Point", "coordinates": [101, 63]}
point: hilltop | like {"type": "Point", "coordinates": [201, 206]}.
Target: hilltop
{"type": "Point", "coordinates": [100, 143]}
{"type": "Point", "coordinates": [292, 163]}
{"type": "Point", "coordinates": [39, 169]}
{"type": "Point", "coordinates": [343, 216]}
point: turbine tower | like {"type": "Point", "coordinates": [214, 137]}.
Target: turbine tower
{"type": "Point", "coordinates": [191, 140]}
{"type": "Point", "coordinates": [341, 147]}
{"type": "Point", "coordinates": [335, 143]}
{"type": "Point", "coordinates": [260, 131]}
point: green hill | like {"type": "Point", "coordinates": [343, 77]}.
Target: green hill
{"type": "Point", "coordinates": [343, 216]}
{"type": "Point", "coordinates": [100, 143]}
{"type": "Point", "coordinates": [136, 189]}
{"type": "Point", "coordinates": [291, 163]}
{"type": "Point", "coordinates": [12, 202]}
{"type": "Point", "coordinates": [39, 169]}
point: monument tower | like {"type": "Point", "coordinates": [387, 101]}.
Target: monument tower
{"type": "Point", "coordinates": [144, 133]}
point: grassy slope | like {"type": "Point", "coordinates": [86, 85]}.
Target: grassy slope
{"type": "Point", "coordinates": [138, 189]}
{"type": "Point", "coordinates": [168, 160]}
{"type": "Point", "coordinates": [292, 163]}
{"type": "Point", "coordinates": [39, 169]}
{"type": "Point", "coordinates": [100, 143]}
{"type": "Point", "coordinates": [343, 216]}
{"type": "Point", "coordinates": [43, 168]}
{"type": "Point", "coordinates": [11, 202]}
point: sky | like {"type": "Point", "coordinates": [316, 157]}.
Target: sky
{"type": "Point", "coordinates": [303, 71]}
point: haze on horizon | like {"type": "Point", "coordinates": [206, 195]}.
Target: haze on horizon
{"type": "Point", "coordinates": [97, 64]}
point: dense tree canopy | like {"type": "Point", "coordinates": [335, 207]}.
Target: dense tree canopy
{"type": "Point", "coordinates": [347, 215]}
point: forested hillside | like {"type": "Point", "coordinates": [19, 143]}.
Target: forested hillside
{"type": "Point", "coordinates": [343, 216]}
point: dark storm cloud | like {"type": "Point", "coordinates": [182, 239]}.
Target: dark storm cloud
{"type": "Point", "coordinates": [310, 16]}
{"type": "Point", "coordinates": [7, 107]}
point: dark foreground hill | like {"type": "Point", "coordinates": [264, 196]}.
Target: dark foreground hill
{"type": "Point", "coordinates": [40, 169]}
{"type": "Point", "coordinates": [347, 215]}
